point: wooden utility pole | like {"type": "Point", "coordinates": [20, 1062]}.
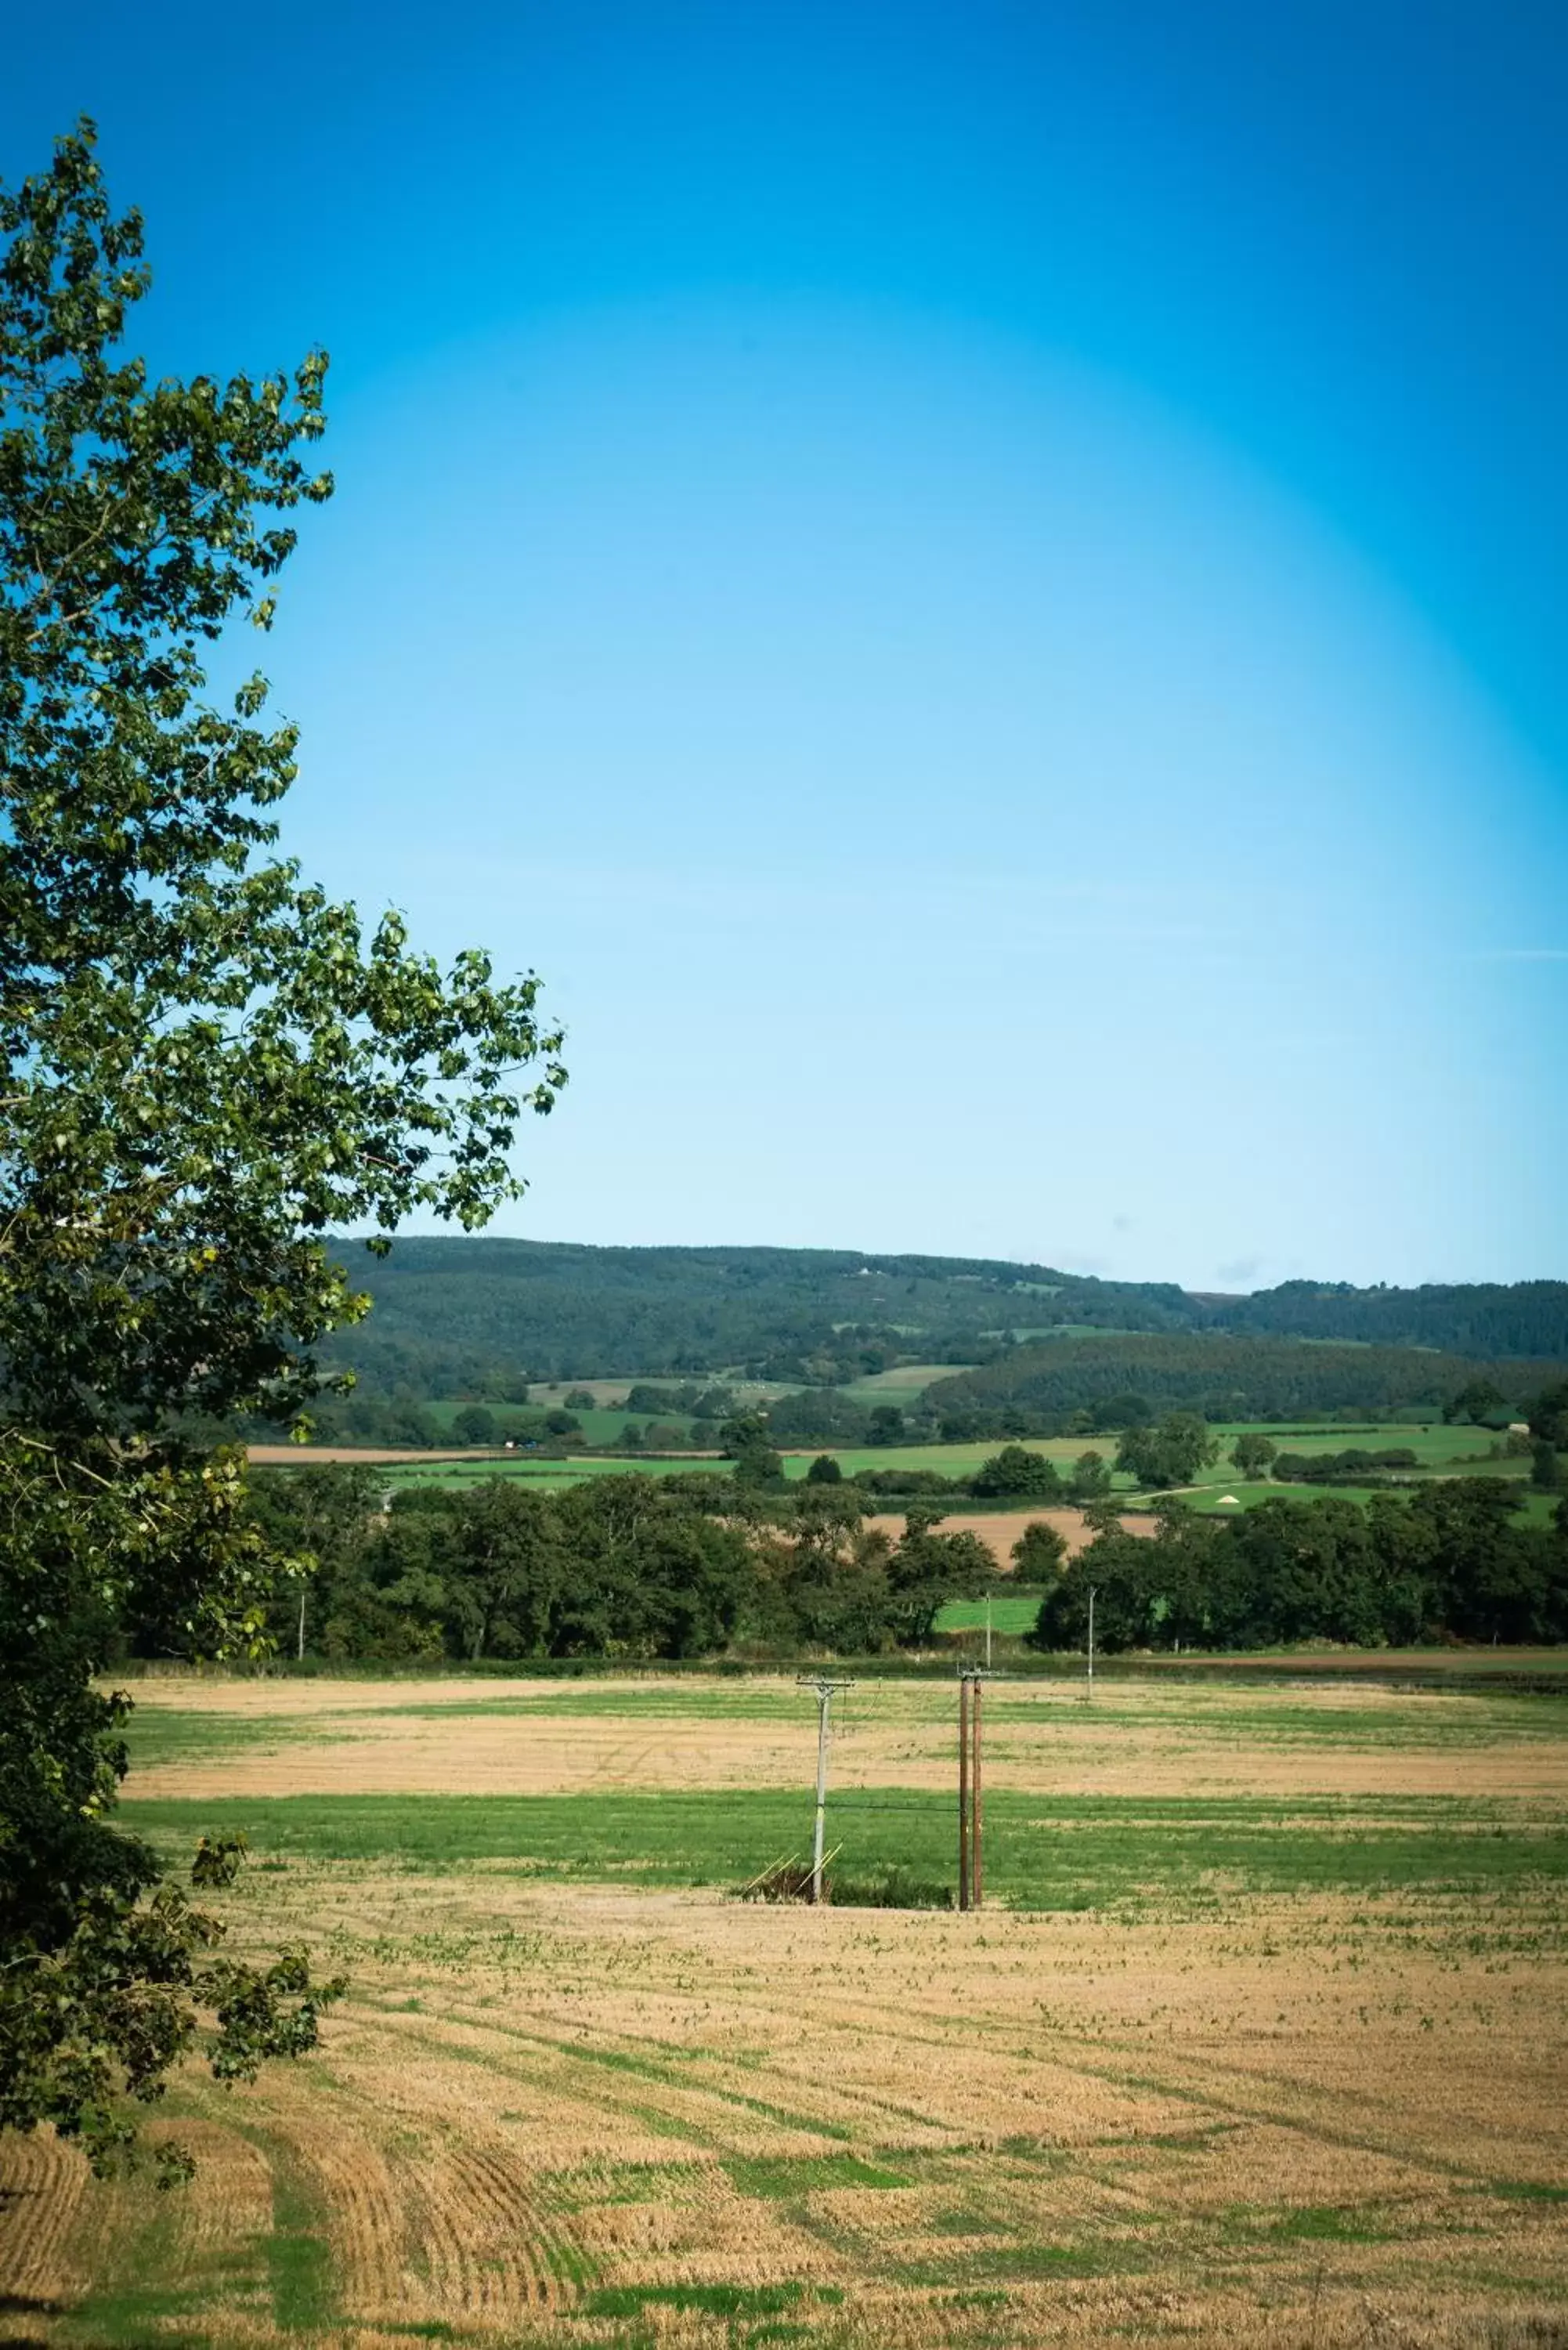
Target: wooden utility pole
{"type": "Point", "coordinates": [963, 1789]}
{"type": "Point", "coordinates": [1089, 1689]}
{"type": "Point", "coordinates": [824, 1689]}
{"type": "Point", "coordinates": [977, 1799]}
{"type": "Point", "coordinates": [972, 1787]}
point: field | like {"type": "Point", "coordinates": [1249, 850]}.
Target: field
{"type": "Point", "coordinates": [1260, 2036]}
{"type": "Point", "coordinates": [1439, 1450]}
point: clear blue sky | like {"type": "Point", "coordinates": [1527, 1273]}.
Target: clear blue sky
{"type": "Point", "coordinates": [979, 588]}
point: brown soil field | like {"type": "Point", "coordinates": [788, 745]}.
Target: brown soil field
{"type": "Point", "coordinates": [562, 2113]}
{"type": "Point", "coordinates": [1000, 1529]}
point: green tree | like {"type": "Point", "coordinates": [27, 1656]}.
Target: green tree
{"type": "Point", "coordinates": [745, 1439]}
{"type": "Point", "coordinates": [885, 1425]}
{"type": "Point", "coordinates": [1549, 1416]}
{"type": "Point", "coordinates": [926, 1569]}
{"type": "Point", "coordinates": [474, 1425]}
{"type": "Point", "coordinates": [1250, 1455]}
{"type": "Point", "coordinates": [209, 1068]}
{"type": "Point", "coordinates": [1479, 1400]}
{"type": "Point", "coordinates": [1016, 1471]}
{"type": "Point", "coordinates": [503, 1568]}
{"type": "Point", "coordinates": [824, 1471]}
{"type": "Point", "coordinates": [1091, 1479]}
{"type": "Point", "coordinates": [1169, 1452]}
{"type": "Point", "coordinates": [1038, 1552]}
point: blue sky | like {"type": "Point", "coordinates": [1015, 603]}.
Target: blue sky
{"type": "Point", "coordinates": [978, 588]}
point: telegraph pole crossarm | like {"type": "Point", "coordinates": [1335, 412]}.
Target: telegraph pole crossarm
{"type": "Point", "coordinates": [826, 1689]}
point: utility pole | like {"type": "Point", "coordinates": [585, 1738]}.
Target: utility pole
{"type": "Point", "coordinates": [977, 1799]}
{"type": "Point", "coordinates": [971, 1788]}
{"type": "Point", "coordinates": [826, 1691]}
{"type": "Point", "coordinates": [964, 1789]}
{"type": "Point", "coordinates": [1089, 1691]}
{"type": "Point", "coordinates": [300, 1651]}
{"type": "Point", "coordinates": [987, 1631]}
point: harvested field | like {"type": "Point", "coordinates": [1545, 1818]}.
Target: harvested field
{"type": "Point", "coordinates": [1288, 2070]}
{"type": "Point", "coordinates": [1000, 1529]}
{"type": "Point", "coordinates": [209, 1738]}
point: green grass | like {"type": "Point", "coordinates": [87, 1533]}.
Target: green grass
{"type": "Point", "coordinates": [1042, 1852]}
{"type": "Point", "coordinates": [713, 2300]}
{"type": "Point", "coordinates": [1012, 1612]}
{"type": "Point", "coordinates": [947, 1460]}
{"type": "Point", "coordinates": [1212, 1499]}
{"type": "Point", "coordinates": [158, 1734]}
{"type": "Point", "coordinates": [785, 2179]}
{"type": "Point", "coordinates": [902, 1386]}
{"type": "Point", "coordinates": [545, 1475]}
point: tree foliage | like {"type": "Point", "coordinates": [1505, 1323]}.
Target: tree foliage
{"type": "Point", "coordinates": [1169, 1452]}
{"type": "Point", "coordinates": [209, 1066]}
{"type": "Point", "coordinates": [1450, 1560]}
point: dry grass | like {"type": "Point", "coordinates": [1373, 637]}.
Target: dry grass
{"type": "Point", "coordinates": [593, 2115]}
{"type": "Point", "coordinates": [548, 1737]}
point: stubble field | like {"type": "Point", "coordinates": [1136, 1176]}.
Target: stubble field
{"type": "Point", "coordinates": [1260, 2036]}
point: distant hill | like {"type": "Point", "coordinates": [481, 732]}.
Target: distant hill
{"type": "Point", "coordinates": [1031, 1391]}
{"type": "Point", "coordinates": [1481, 1319]}
{"type": "Point", "coordinates": [465, 1316]}
{"type": "Point", "coordinates": [450, 1313]}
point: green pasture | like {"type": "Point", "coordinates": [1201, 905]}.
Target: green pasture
{"type": "Point", "coordinates": [1439, 1450]}
{"type": "Point", "coordinates": [904, 1385]}
{"type": "Point", "coordinates": [1010, 1612]}
{"type": "Point", "coordinates": [1212, 1498]}
{"type": "Point", "coordinates": [1434, 1445]}
{"type": "Point", "coordinates": [947, 1460]}
{"type": "Point", "coordinates": [1042, 1852]}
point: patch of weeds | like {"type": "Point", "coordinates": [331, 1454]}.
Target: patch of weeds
{"type": "Point", "coordinates": [961, 2221]}
{"type": "Point", "coordinates": [712, 2300]}
{"type": "Point", "coordinates": [127, 2319]}
{"type": "Point", "coordinates": [1527, 2190]}
{"type": "Point", "coordinates": [780, 2180]}
{"type": "Point", "coordinates": [894, 1888]}
{"type": "Point", "coordinates": [1325, 2223]}
{"type": "Point", "coordinates": [636, 2182]}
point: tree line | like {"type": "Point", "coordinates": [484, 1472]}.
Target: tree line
{"type": "Point", "coordinates": [646, 1568]}
{"type": "Point", "coordinates": [1451, 1560]}
{"type": "Point", "coordinates": [628, 1566]}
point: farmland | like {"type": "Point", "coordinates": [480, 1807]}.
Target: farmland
{"type": "Point", "coordinates": [1439, 1450]}
{"type": "Point", "coordinates": [1261, 2034]}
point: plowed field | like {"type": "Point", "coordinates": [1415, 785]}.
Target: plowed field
{"type": "Point", "coordinates": [1263, 2038]}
